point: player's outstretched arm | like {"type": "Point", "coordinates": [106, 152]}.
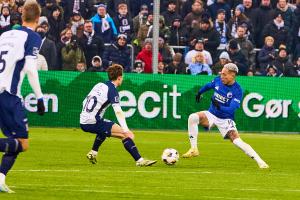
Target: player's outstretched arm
{"type": "Point", "coordinates": [120, 116]}
{"type": "Point", "coordinates": [205, 88]}
{"type": "Point", "coordinates": [33, 78]}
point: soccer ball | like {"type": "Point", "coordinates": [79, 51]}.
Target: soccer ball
{"type": "Point", "coordinates": [170, 156]}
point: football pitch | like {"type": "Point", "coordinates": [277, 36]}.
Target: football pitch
{"type": "Point", "coordinates": [55, 167]}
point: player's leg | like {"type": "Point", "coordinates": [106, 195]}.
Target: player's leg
{"type": "Point", "coordinates": [100, 138]}
{"type": "Point", "coordinates": [13, 123]}
{"type": "Point", "coordinates": [229, 131]}
{"type": "Point", "coordinates": [129, 145]}
{"type": "Point", "coordinates": [194, 120]}
{"type": "Point", "coordinates": [249, 151]}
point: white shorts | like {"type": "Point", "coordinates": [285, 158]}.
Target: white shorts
{"type": "Point", "coordinates": [224, 125]}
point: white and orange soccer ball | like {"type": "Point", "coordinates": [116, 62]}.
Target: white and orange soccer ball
{"type": "Point", "coordinates": [170, 156]}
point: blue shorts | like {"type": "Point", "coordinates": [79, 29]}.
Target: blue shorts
{"type": "Point", "coordinates": [101, 128]}
{"type": "Point", "coordinates": [13, 120]}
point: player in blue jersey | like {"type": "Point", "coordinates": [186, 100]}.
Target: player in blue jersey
{"type": "Point", "coordinates": [91, 118]}
{"type": "Point", "coordinates": [225, 100]}
{"type": "Point", "coordinates": [18, 56]}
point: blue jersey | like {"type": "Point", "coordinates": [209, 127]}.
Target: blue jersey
{"type": "Point", "coordinates": [15, 47]}
{"type": "Point", "coordinates": [228, 96]}
{"type": "Point", "coordinates": [98, 100]}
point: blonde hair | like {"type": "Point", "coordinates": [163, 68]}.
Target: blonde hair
{"type": "Point", "coordinates": [201, 55]}
{"type": "Point", "coordinates": [31, 11]}
{"type": "Point", "coordinates": [269, 38]}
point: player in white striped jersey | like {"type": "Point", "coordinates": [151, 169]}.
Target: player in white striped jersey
{"type": "Point", "coordinates": [18, 56]}
{"type": "Point", "coordinates": [91, 118]}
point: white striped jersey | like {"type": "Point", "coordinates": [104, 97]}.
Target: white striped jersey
{"type": "Point", "coordinates": [15, 47]}
{"type": "Point", "coordinates": [98, 100]}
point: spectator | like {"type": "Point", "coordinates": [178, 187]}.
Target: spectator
{"type": "Point", "coordinates": [123, 21]}
{"type": "Point", "coordinates": [278, 30]}
{"type": "Point", "coordinates": [79, 6]}
{"type": "Point", "coordinates": [170, 14]}
{"type": "Point", "coordinates": [297, 67]}
{"type": "Point", "coordinates": [146, 56]}
{"type": "Point", "coordinates": [223, 60]}
{"type": "Point", "coordinates": [246, 46]}
{"type": "Point", "coordinates": [198, 65]}
{"type": "Point", "coordinates": [287, 13]}
{"type": "Point", "coordinates": [237, 57]}
{"type": "Point", "coordinates": [266, 55]}
{"type": "Point", "coordinates": [104, 25]}
{"type": "Point", "coordinates": [56, 24]}
{"type": "Point", "coordinates": [76, 21]}
{"type": "Point", "coordinates": [91, 44]}
{"type": "Point", "coordinates": [178, 33]}
{"type": "Point", "coordinates": [138, 66]}
{"type": "Point", "coordinates": [195, 14]}
{"type": "Point", "coordinates": [219, 4]}
{"type": "Point", "coordinates": [186, 7]}
{"type": "Point", "coordinates": [15, 21]}
{"type": "Point", "coordinates": [237, 19]}
{"type": "Point", "coordinates": [144, 29]}
{"type": "Point", "coordinates": [96, 65]}
{"type": "Point", "coordinates": [48, 48]}
{"type": "Point", "coordinates": [176, 66]}
{"type": "Point", "coordinates": [283, 63]}
{"type": "Point", "coordinates": [263, 15]}
{"type": "Point", "coordinates": [41, 63]}
{"type": "Point", "coordinates": [165, 50]}
{"type": "Point", "coordinates": [272, 71]}
{"type": "Point", "coordinates": [118, 53]}
{"type": "Point", "coordinates": [81, 67]}
{"type": "Point", "coordinates": [223, 29]}
{"type": "Point", "coordinates": [209, 35]}
{"type": "Point", "coordinates": [140, 19]}
{"type": "Point", "coordinates": [4, 19]}
{"type": "Point", "coordinates": [72, 56]}
{"type": "Point", "coordinates": [48, 8]}
{"type": "Point", "coordinates": [164, 31]}
{"type": "Point", "coordinates": [199, 47]}
{"type": "Point", "coordinates": [249, 10]}
{"type": "Point", "coordinates": [114, 5]}
{"type": "Point", "coordinates": [161, 68]}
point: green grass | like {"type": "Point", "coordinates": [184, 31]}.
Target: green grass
{"type": "Point", "coordinates": [55, 167]}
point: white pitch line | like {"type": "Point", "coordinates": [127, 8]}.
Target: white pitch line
{"type": "Point", "coordinates": [160, 187]}
{"type": "Point", "coordinates": [45, 170]}
{"type": "Point", "coordinates": [151, 171]}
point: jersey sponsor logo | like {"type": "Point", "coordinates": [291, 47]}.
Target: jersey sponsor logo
{"type": "Point", "coordinates": [220, 98]}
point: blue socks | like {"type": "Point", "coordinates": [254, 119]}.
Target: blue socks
{"type": "Point", "coordinates": [131, 148]}
{"type": "Point", "coordinates": [10, 145]}
{"type": "Point", "coordinates": [8, 160]}
{"type": "Point", "coordinates": [12, 148]}
{"type": "Point", "coordinates": [97, 143]}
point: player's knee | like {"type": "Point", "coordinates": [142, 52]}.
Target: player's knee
{"type": "Point", "coordinates": [24, 144]}
{"type": "Point", "coordinates": [232, 135]}
{"type": "Point", "coordinates": [194, 118]}
{"type": "Point", "coordinates": [129, 134]}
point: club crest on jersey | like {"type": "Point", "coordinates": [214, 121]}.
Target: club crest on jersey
{"type": "Point", "coordinates": [217, 87]}
{"type": "Point", "coordinates": [229, 95]}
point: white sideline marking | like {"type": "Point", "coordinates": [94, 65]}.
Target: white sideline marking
{"type": "Point", "coordinates": [159, 187]}
{"type": "Point", "coordinates": [45, 170]}
{"type": "Point", "coordinates": [144, 171]}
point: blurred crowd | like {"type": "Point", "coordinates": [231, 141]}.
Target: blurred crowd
{"type": "Point", "coordinates": [262, 37]}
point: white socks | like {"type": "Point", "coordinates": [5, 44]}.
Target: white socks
{"type": "Point", "coordinates": [2, 178]}
{"type": "Point", "coordinates": [193, 129]}
{"type": "Point", "coordinates": [247, 149]}
{"type": "Point", "coordinates": [95, 153]}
